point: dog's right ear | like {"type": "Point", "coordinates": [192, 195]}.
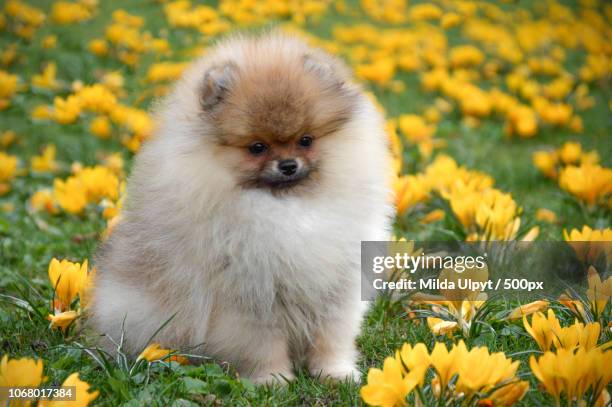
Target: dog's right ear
{"type": "Point", "coordinates": [217, 82]}
{"type": "Point", "coordinates": [330, 70]}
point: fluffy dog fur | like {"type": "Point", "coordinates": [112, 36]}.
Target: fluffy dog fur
{"type": "Point", "coordinates": [261, 274]}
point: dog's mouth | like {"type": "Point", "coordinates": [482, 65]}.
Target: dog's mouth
{"type": "Point", "coordinates": [278, 183]}
{"type": "Point", "coordinates": [283, 182]}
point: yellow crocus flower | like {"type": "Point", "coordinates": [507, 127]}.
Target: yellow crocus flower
{"type": "Point", "coordinates": [589, 243]}
{"type": "Point", "coordinates": [24, 372]}
{"type": "Point", "coordinates": [66, 279]}
{"type": "Point", "coordinates": [573, 373]}
{"type": "Point", "coordinates": [588, 182]}
{"type": "Point", "coordinates": [509, 394]}
{"type": "Point", "coordinates": [599, 292]}
{"type": "Point", "coordinates": [492, 369]}
{"type": "Point", "coordinates": [439, 326]}
{"type": "Point", "coordinates": [414, 359]}
{"type": "Point", "coordinates": [388, 387]}
{"type": "Point", "coordinates": [82, 397]}
{"type": "Point", "coordinates": [528, 309]}
{"type": "Point", "coordinates": [62, 320]}
{"type": "Point", "coordinates": [542, 328]}
{"type": "Point", "coordinates": [46, 79]}
{"type": "Point", "coordinates": [155, 352]}
{"type": "Point", "coordinates": [445, 362]}
{"type": "Point", "coordinates": [45, 162]}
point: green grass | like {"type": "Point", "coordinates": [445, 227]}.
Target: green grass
{"type": "Point", "coordinates": [28, 241]}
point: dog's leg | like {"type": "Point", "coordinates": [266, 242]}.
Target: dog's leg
{"type": "Point", "coordinates": [273, 363]}
{"type": "Point", "coordinates": [333, 353]}
{"type": "Point", "coordinates": [259, 351]}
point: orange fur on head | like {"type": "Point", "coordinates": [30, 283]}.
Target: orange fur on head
{"type": "Point", "coordinates": [276, 102]}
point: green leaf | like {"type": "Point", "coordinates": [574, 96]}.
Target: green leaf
{"type": "Point", "coordinates": [195, 386]}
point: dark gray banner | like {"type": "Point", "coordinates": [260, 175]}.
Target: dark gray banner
{"type": "Point", "coordinates": [457, 271]}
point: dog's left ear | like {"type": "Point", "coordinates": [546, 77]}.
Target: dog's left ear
{"type": "Point", "coordinates": [328, 69]}
{"type": "Point", "coordinates": [217, 83]}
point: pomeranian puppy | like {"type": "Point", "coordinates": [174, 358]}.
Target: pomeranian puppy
{"type": "Point", "coordinates": [244, 215]}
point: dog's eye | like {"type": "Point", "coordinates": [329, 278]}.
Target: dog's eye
{"type": "Point", "coordinates": [257, 148]}
{"type": "Point", "coordinates": [306, 140]}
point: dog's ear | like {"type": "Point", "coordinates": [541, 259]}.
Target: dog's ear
{"type": "Point", "coordinates": [328, 69]}
{"type": "Point", "coordinates": [217, 82]}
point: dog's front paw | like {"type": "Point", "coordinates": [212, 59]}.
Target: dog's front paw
{"type": "Point", "coordinates": [272, 378]}
{"type": "Point", "coordinates": [337, 371]}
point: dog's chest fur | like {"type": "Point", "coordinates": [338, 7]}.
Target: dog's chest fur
{"type": "Point", "coordinates": [274, 266]}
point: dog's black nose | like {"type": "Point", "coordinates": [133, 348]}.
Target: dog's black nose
{"type": "Point", "coordinates": [288, 167]}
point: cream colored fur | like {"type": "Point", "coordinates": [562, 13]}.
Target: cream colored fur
{"type": "Point", "coordinates": [266, 282]}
